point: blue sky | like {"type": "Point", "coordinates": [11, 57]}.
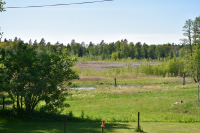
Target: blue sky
{"type": "Point", "coordinates": [149, 21]}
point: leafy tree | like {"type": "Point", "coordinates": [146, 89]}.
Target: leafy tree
{"type": "Point", "coordinates": [68, 48]}
{"type": "Point", "coordinates": [1, 5]}
{"type": "Point", "coordinates": [1, 10]}
{"type": "Point", "coordinates": [114, 56]}
{"type": "Point", "coordinates": [138, 50]}
{"type": "Point", "coordinates": [5, 40]}
{"type": "Point", "coordinates": [42, 42]}
{"type": "Point", "coordinates": [83, 48]}
{"type": "Point", "coordinates": [35, 44]}
{"type": "Point", "coordinates": [105, 52]}
{"type": "Point", "coordinates": [30, 42]}
{"type": "Point", "coordinates": [131, 50]}
{"type": "Point", "coordinates": [102, 44]}
{"type": "Point", "coordinates": [184, 41]}
{"type": "Point", "coordinates": [15, 39]}
{"type": "Point", "coordinates": [124, 49]}
{"type": "Point", "coordinates": [49, 48]}
{"type": "Point", "coordinates": [111, 47]}
{"type": "Point", "coordinates": [19, 40]}
{"type": "Point", "coordinates": [188, 32]}
{"type": "Point", "coordinates": [196, 31]}
{"type": "Point", "coordinates": [144, 50]}
{"type": "Point", "coordinates": [57, 43]}
{"type": "Point", "coordinates": [194, 66]}
{"type": "Point", "coordinates": [151, 52]}
{"type": "Point", "coordinates": [29, 78]}
{"type": "Point", "coordinates": [72, 42]}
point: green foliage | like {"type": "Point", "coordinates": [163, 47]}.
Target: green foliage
{"type": "Point", "coordinates": [1, 10]}
{"type": "Point", "coordinates": [1, 5]}
{"type": "Point", "coordinates": [30, 77]}
{"type": "Point", "coordinates": [194, 66]}
{"type": "Point", "coordinates": [173, 67]}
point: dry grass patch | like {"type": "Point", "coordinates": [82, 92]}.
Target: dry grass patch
{"type": "Point", "coordinates": [151, 87]}
{"type": "Point", "coordinates": [116, 90]}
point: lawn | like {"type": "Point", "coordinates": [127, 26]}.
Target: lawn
{"type": "Point", "coordinates": [154, 99]}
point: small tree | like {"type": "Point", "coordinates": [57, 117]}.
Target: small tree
{"type": "Point", "coordinates": [29, 77]}
{"type": "Point", "coordinates": [194, 66]}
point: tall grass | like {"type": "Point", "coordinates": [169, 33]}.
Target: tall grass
{"type": "Point", "coordinates": [99, 58]}
{"type": "Point", "coordinates": [109, 73]}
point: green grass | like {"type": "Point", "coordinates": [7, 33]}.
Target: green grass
{"type": "Point", "coordinates": [84, 127]}
{"type": "Point", "coordinates": [154, 100]}
{"type": "Point", "coordinates": [139, 81]}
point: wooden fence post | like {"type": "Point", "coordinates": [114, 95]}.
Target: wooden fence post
{"type": "Point", "coordinates": [138, 120]}
{"type": "Point", "coordinates": [198, 93]}
{"type": "Point", "coordinates": [65, 124]}
{"type": "Point", "coordinates": [102, 129]}
{"type": "Point", "coordinates": [184, 78]}
{"type": "Point", "coordinates": [102, 126]}
{"type": "Point", "coordinates": [115, 82]}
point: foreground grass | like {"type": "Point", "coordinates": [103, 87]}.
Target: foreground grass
{"type": "Point", "coordinates": [80, 127]}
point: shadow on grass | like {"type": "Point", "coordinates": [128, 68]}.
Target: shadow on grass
{"type": "Point", "coordinates": [58, 127]}
{"type": "Point", "coordinates": [42, 122]}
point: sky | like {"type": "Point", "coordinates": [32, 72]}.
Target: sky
{"type": "Point", "coordinates": [145, 21]}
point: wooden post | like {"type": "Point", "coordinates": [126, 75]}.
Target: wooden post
{"type": "Point", "coordinates": [3, 101]}
{"type": "Point", "coordinates": [102, 129]}
{"type": "Point", "coordinates": [115, 82]}
{"type": "Point", "coordinates": [65, 124]}
{"type": "Point", "coordinates": [102, 126]}
{"type": "Point", "coordinates": [184, 78]}
{"type": "Point", "coordinates": [198, 93]}
{"type": "Point", "coordinates": [138, 120]}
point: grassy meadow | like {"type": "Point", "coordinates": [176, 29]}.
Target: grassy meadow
{"type": "Point", "coordinates": [152, 96]}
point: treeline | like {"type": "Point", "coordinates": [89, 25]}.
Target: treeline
{"type": "Point", "coordinates": [121, 49]}
{"type": "Point", "coordinates": [115, 51]}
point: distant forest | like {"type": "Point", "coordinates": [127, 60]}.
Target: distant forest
{"type": "Point", "coordinates": [116, 50]}
{"type": "Point", "coordinates": [121, 49]}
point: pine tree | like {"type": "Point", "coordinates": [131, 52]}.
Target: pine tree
{"type": "Point", "coordinates": [188, 32]}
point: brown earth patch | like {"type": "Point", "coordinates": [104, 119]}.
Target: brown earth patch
{"type": "Point", "coordinates": [108, 65]}
{"type": "Point", "coordinates": [151, 87]}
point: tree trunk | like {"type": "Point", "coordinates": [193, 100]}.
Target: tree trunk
{"type": "Point", "coordinates": [184, 78]}
{"type": "Point", "coordinates": [18, 101]}
{"type": "Point", "coordinates": [195, 80]}
{"type": "Point", "coordinates": [190, 46]}
{"type": "Point", "coordinates": [21, 104]}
